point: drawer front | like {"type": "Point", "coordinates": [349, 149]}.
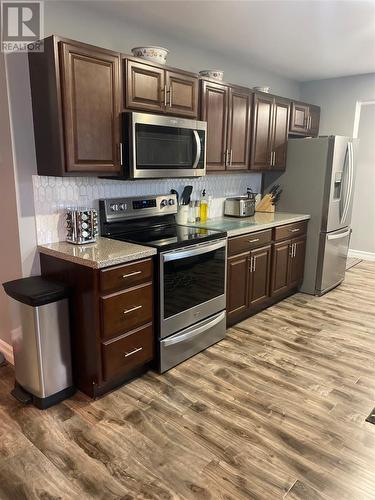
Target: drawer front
{"type": "Point", "coordinates": [127, 310]}
{"type": "Point", "coordinates": [248, 241]}
{"type": "Point", "coordinates": [126, 353]}
{"type": "Point", "coordinates": [120, 277]}
{"type": "Point", "coordinates": [290, 230]}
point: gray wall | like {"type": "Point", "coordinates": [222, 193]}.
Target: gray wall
{"type": "Point", "coordinates": [363, 219]}
{"type": "Point", "coordinates": [337, 98]}
{"type": "Point", "coordinates": [80, 21]}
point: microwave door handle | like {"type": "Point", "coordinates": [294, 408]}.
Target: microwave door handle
{"type": "Point", "coordinates": [198, 149]}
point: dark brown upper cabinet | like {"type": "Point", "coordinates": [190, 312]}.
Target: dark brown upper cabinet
{"type": "Point", "coordinates": [270, 132]}
{"type": "Point", "coordinates": [152, 88]}
{"type": "Point", "coordinates": [75, 91]}
{"type": "Point", "coordinates": [227, 110]}
{"type": "Point", "coordinates": [214, 110]}
{"type": "Point", "coordinates": [304, 119]}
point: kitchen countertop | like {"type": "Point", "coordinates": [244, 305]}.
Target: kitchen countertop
{"type": "Point", "coordinates": [103, 253]}
{"type": "Point", "coordinates": [235, 226]}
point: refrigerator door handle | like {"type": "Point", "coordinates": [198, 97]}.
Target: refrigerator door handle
{"type": "Point", "coordinates": [338, 236]}
{"type": "Point", "coordinates": [349, 189]}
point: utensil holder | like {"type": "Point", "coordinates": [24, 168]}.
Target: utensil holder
{"type": "Point", "coordinates": [182, 214]}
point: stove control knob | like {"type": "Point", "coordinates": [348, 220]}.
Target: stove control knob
{"type": "Point", "coordinates": [121, 207]}
{"type": "Point", "coordinates": [164, 203]}
{"type": "Point", "coordinates": [114, 207]}
{"type": "Point", "coordinates": [171, 201]}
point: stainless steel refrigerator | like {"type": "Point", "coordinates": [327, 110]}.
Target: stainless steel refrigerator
{"type": "Point", "coordinates": [319, 180]}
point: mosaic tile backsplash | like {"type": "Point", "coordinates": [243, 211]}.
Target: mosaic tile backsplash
{"type": "Point", "coordinates": [53, 195]}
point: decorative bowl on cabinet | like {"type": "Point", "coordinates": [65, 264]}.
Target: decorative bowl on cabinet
{"type": "Point", "coordinates": [151, 53]}
{"type": "Point", "coordinates": [216, 74]}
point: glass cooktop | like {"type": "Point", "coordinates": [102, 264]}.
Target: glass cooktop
{"type": "Point", "coordinates": [170, 236]}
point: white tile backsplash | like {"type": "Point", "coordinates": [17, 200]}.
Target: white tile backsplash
{"type": "Point", "coordinates": [53, 195]}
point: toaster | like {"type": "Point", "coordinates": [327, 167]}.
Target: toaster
{"type": "Point", "coordinates": [240, 206]}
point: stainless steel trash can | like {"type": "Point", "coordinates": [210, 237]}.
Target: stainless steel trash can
{"type": "Point", "coordinates": [42, 351]}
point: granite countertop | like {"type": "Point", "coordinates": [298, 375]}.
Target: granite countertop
{"type": "Point", "coordinates": [103, 253]}
{"type": "Point", "coordinates": [235, 226]}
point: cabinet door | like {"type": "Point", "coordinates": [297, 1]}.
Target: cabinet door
{"type": "Point", "coordinates": [299, 114]}
{"type": "Point", "coordinates": [262, 131]}
{"type": "Point", "coordinates": [280, 133]}
{"type": "Point", "coordinates": [260, 266]}
{"type": "Point", "coordinates": [237, 288]}
{"type": "Point", "coordinates": [145, 87]}
{"type": "Point", "coordinates": [182, 98]}
{"type": "Point", "coordinates": [90, 84]}
{"type": "Point", "coordinates": [239, 129]}
{"type": "Point", "coordinates": [215, 113]}
{"type": "Point", "coordinates": [280, 267]}
{"type": "Point", "coordinates": [297, 262]}
{"type": "Point", "coordinates": [314, 120]}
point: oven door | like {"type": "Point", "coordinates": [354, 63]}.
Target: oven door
{"type": "Point", "coordinates": [192, 285]}
{"type": "Point", "coordinates": [163, 146]}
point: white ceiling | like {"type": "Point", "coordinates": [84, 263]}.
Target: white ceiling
{"type": "Point", "coordinates": [303, 40]}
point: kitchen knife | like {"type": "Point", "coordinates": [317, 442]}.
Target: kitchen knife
{"type": "Point", "coordinates": [173, 191]}
{"type": "Point", "coordinates": [186, 193]}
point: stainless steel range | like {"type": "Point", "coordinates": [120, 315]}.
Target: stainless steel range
{"type": "Point", "coordinates": [191, 272]}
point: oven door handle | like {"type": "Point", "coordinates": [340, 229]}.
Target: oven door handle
{"type": "Point", "coordinates": [193, 331]}
{"type": "Point", "coordinates": [198, 147]}
{"type": "Point", "coordinates": [182, 254]}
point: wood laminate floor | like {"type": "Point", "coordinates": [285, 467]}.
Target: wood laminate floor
{"type": "Point", "coordinates": [276, 410]}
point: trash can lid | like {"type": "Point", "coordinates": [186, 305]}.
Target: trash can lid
{"type": "Point", "coordinates": [36, 290]}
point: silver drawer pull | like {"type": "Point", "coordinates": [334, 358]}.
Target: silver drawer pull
{"type": "Point", "coordinates": [131, 274]}
{"type": "Point", "coordinates": [127, 311]}
{"type": "Point", "coordinates": [133, 352]}
{"type": "Point", "coordinates": [294, 230]}
{"type": "Point", "coordinates": [254, 240]}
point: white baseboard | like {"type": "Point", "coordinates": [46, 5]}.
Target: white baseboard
{"type": "Point", "coordinates": [7, 350]}
{"type": "Point", "coordinates": [358, 254]}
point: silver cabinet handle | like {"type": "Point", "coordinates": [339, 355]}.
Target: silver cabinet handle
{"type": "Point", "coordinates": [230, 157]}
{"type": "Point", "coordinates": [295, 230]}
{"type": "Point", "coordinates": [254, 264]}
{"type": "Point", "coordinates": [131, 274]}
{"type": "Point", "coordinates": [291, 250]}
{"type": "Point", "coordinates": [170, 97]}
{"type": "Point", "coordinates": [165, 95]}
{"type": "Point", "coordinates": [295, 249]}
{"type": "Point", "coordinates": [226, 157]}
{"type": "Point", "coordinates": [133, 352]}
{"type": "Point", "coordinates": [251, 265]}
{"type": "Point", "coordinates": [120, 145]}
{"type": "Point", "coordinates": [132, 309]}
{"type": "Point", "coordinates": [253, 241]}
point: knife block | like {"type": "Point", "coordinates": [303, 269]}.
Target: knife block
{"type": "Point", "coordinates": [265, 204]}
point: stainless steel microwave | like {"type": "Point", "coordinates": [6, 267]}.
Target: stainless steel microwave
{"type": "Point", "coordinates": [162, 146]}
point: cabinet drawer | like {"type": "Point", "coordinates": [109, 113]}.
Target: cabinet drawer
{"type": "Point", "coordinates": [125, 353]}
{"type": "Point", "coordinates": [248, 241]}
{"type": "Point", "coordinates": [290, 230]}
{"type": "Point", "coordinates": [120, 277]}
{"type": "Point", "coordinates": [122, 312]}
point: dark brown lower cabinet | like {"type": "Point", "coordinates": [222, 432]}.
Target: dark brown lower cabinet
{"type": "Point", "coordinates": [111, 321]}
{"type": "Point", "coordinates": [261, 275]}
{"type": "Point", "coordinates": [238, 284]}
{"type": "Point", "coordinates": [259, 282]}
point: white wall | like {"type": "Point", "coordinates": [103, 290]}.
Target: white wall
{"type": "Point", "coordinates": [363, 218]}
{"type": "Point", "coordinates": [337, 98]}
